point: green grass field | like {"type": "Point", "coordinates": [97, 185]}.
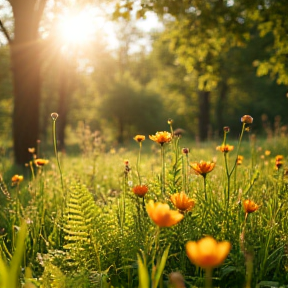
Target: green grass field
{"type": "Point", "coordinates": [76, 222]}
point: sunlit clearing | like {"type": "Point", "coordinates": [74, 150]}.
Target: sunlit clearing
{"type": "Point", "coordinates": [77, 28]}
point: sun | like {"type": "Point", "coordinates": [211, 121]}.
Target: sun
{"type": "Point", "coordinates": [76, 28]}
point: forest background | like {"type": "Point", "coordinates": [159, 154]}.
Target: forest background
{"type": "Point", "coordinates": [208, 61]}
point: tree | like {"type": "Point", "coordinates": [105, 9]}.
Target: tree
{"type": "Point", "coordinates": [25, 49]}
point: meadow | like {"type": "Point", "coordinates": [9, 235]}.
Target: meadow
{"type": "Point", "coordinates": [164, 211]}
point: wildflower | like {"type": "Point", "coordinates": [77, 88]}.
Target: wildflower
{"type": "Point", "coordinates": [247, 119]}
{"type": "Point", "coordinates": [178, 132]}
{"type": "Point", "coordinates": [170, 121]}
{"type": "Point", "coordinates": [182, 202]}
{"type": "Point", "coordinates": [250, 206]}
{"type": "Point", "coordinates": [139, 138]}
{"type": "Point", "coordinates": [239, 159]}
{"type": "Point", "coordinates": [267, 153]}
{"type": "Point", "coordinates": [203, 167]}
{"type": "Point", "coordinates": [127, 168]}
{"type": "Point", "coordinates": [17, 179]}
{"type": "Point", "coordinates": [279, 157]}
{"type": "Point", "coordinates": [185, 150]}
{"type": "Point", "coordinates": [279, 161]}
{"type": "Point", "coordinates": [161, 214]}
{"type": "Point", "coordinates": [177, 280]}
{"type": "Point", "coordinates": [140, 190]}
{"type": "Point", "coordinates": [226, 129]}
{"type": "Point", "coordinates": [41, 162]}
{"type": "Point", "coordinates": [54, 116]}
{"type": "Point", "coordinates": [225, 148]}
{"type": "Point", "coordinates": [31, 150]}
{"type": "Point", "coordinates": [207, 252]}
{"type": "Point", "coordinates": [161, 137]}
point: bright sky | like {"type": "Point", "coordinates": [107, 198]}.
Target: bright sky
{"type": "Point", "coordinates": [76, 28]}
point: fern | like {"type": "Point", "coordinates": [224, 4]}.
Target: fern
{"type": "Point", "coordinates": [80, 235]}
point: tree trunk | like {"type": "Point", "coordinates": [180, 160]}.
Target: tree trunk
{"type": "Point", "coordinates": [203, 117]}
{"type": "Point", "coordinates": [25, 60]}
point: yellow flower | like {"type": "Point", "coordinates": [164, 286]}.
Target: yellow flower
{"type": "Point", "coordinates": [41, 162]}
{"type": "Point", "coordinates": [247, 119]}
{"type": "Point", "coordinates": [182, 202]}
{"type": "Point", "coordinates": [139, 138]}
{"type": "Point", "coordinates": [161, 214]}
{"type": "Point", "coordinates": [161, 137]}
{"type": "Point", "coordinates": [207, 252]}
{"type": "Point", "coordinates": [140, 190]}
{"type": "Point", "coordinates": [225, 148]}
{"type": "Point", "coordinates": [250, 206]}
{"type": "Point", "coordinates": [239, 159]}
{"type": "Point", "coordinates": [267, 153]}
{"type": "Point", "coordinates": [203, 167]}
{"type": "Point", "coordinates": [17, 179]}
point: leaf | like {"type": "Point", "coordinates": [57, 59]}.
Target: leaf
{"type": "Point", "coordinates": [161, 266]}
{"type": "Point", "coordinates": [143, 274]}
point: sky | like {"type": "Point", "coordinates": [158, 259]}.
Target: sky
{"type": "Point", "coordinates": [98, 22]}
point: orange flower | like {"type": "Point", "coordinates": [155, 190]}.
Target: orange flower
{"type": "Point", "coordinates": [225, 148]}
{"type": "Point", "coordinates": [139, 138]}
{"type": "Point", "coordinates": [203, 167]}
{"type": "Point", "coordinates": [250, 206]}
{"type": "Point", "coordinates": [140, 190]}
{"type": "Point", "coordinates": [161, 214]}
{"type": "Point", "coordinates": [207, 252]}
{"type": "Point", "coordinates": [182, 202]}
{"type": "Point", "coordinates": [161, 137]}
{"type": "Point", "coordinates": [247, 119]}
{"type": "Point", "coordinates": [41, 162]}
{"type": "Point", "coordinates": [279, 157]}
{"type": "Point", "coordinates": [17, 179]}
{"type": "Point", "coordinates": [239, 159]}
{"type": "Point", "coordinates": [279, 161]}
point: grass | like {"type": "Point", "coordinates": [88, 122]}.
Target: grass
{"type": "Point", "coordinates": [94, 232]}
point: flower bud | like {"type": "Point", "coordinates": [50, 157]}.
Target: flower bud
{"type": "Point", "coordinates": [54, 116]}
{"type": "Point", "coordinates": [247, 119]}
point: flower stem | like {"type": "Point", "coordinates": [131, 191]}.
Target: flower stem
{"type": "Point", "coordinates": [138, 163]}
{"type": "Point", "coordinates": [163, 171]}
{"type": "Point", "coordinates": [56, 152]}
{"type": "Point", "coordinates": [208, 278]}
{"type": "Point", "coordinates": [205, 193]}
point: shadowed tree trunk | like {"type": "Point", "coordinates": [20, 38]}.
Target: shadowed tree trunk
{"type": "Point", "coordinates": [203, 117]}
{"type": "Point", "coordinates": [25, 61]}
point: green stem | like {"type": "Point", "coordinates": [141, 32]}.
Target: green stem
{"type": "Point", "coordinates": [163, 170]}
{"type": "Point", "coordinates": [184, 174]}
{"type": "Point", "coordinates": [187, 177]}
{"type": "Point", "coordinates": [208, 278]}
{"type": "Point", "coordinates": [56, 153]}
{"type": "Point", "coordinates": [138, 163]}
{"type": "Point", "coordinates": [205, 193]}
{"type": "Point", "coordinates": [156, 247]}
{"type": "Point", "coordinates": [238, 147]}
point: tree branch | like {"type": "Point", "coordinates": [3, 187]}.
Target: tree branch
{"type": "Point", "coordinates": [4, 30]}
